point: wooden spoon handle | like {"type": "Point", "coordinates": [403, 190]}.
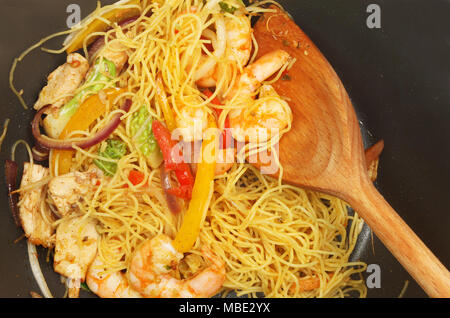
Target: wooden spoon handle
{"type": "Point", "coordinates": [402, 242]}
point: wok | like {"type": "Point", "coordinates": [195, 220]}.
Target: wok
{"type": "Point", "coordinates": [397, 76]}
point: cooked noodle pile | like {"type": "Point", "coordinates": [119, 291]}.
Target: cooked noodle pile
{"type": "Point", "coordinates": [275, 239]}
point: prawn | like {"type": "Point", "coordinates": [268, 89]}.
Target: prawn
{"type": "Point", "coordinates": [238, 38]}
{"type": "Point", "coordinates": [75, 249]}
{"type": "Point", "coordinates": [269, 112]}
{"type": "Point", "coordinates": [112, 285]}
{"type": "Point", "coordinates": [150, 267]}
{"type": "Point", "coordinates": [192, 121]}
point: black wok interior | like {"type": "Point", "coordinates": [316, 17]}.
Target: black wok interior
{"type": "Point", "coordinates": [397, 77]}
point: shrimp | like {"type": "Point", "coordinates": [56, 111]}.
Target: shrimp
{"type": "Point", "coordinates": [238, 47]}
{"type": "Point", "coordinates": [239, 39]}
{"type": "Point", "coordinates": [150, 267]}
{"type": "Point", "coordinates": [75, 249]}
{"type": "Point", "coordinates": [267, 117]}
{"type": "Point", "coordinates": [260, 70]}
{"type": "Point", "coordinates": [113, 285]}
{"type": "Point", "coordinates": [269, 112]}
{"type": "Point", "coordinates": [192, 121]}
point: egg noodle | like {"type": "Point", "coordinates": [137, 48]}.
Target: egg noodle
{"type": "Point", "coordinates": [276, 240]}
{"type": "Point", "coordinates": [5, 130]}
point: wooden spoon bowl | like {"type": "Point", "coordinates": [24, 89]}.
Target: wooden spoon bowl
{"type": "Point", "coordinates": [324, 150]}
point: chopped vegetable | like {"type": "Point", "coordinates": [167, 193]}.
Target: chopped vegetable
{"type": "Point", "coordinates": [99, 43]}
{"type": "Point", "coordinates": [209, 93]}
{"type": "Point", "coordinates": [103, 72]}
{"type": "Point", "coordinates": [90, 110]}
{"type": "Point", "coordinates": [68, 144]}
{"type": "Point", "coordinates": [208, 45]}
{"type": "Point", "coordinates": [161, 97]}
{"type": "Point", "coordinates": [85, 286]}
{"type": "Point", "coordinates": [115, 149]}
{"type": "Point", "coordinates": [136, 177]}
{"type": "Point", "coordinates": [36, 270]}
{"type": "Point", "coordinates": [227, 8]}
{"type": "Point", "coordinates": [201, 197]}
{"type": "Point", "coordinates": [99, 25]}
{"type": "Point", "coordinates": [141, 130]}
{"type": "Point", "coordinates": [11, 169]}
{"type": "Point", "coordinates": [171, 200]}
{"type": "Point", "coordinates": [40, 154]}
{"type": "Point", "coordinates": [182, 169]}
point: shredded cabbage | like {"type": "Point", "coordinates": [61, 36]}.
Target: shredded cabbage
{"type": "Point", "coordinates": [115, 149]}
{"type": "Point", "coordinates": [141, 131]}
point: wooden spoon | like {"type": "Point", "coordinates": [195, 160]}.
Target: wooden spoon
{"type": "Point", "coordinates": [324, 150]}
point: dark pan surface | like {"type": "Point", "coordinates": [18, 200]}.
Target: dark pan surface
{"type": "Point", "coordinates": [397, 77]}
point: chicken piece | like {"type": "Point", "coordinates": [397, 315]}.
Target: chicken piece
{"type": "Point", "coordinates": [67, 190]}
{"type": "Point", "coordinates": [63, 82]}
{"type": "Point", "coordinates": [115, 52]}
{"type": "Point", "coordinates": [75, 250]}
{"type": "Point", "coordinates": [37, 228]}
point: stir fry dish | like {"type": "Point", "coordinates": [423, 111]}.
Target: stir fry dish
{"type": "Point", "coordinates": [144, 178]}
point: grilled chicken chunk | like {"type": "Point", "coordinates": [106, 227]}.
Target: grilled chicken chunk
{"type": "Point", "coordinates": [63, 82]}
{"type": "Point", "coordinates": [116, 53]}
{"type": "Point", "coordinates": [36, 225]}
{"type": "Point", "coordinates": [67, 190]}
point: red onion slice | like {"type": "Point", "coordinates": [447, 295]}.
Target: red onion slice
{"type": "Point", "coordinates": [100, 41]}
{"type": "Point", "coordinates": [40, 154]}
{"type": "Point", "coordinates": [172, 201]}
{"type": "Point", "coordinates": [101, 135]}
{"type": "Point", "coordinates": [11, 169]}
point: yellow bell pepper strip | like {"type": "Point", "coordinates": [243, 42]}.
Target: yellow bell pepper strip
{"type": "Point", "coordinates": [201, 196]}
{"type": "Point", "coordinates": [97, 25]}
{"type": "Point", "coordinates": [161, 97]}
{"type": "Point", "coordinates": [91, 109]}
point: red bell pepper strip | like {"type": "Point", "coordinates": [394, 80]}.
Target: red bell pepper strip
{"type": "Point", "coordinates": [215, 100]}
{"type": "Point", "coordinates": [136, 177]}
{"type": "Point", "coordinates": [182, 169]}
{"type": "Point", "coordinates": [208, 46]}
